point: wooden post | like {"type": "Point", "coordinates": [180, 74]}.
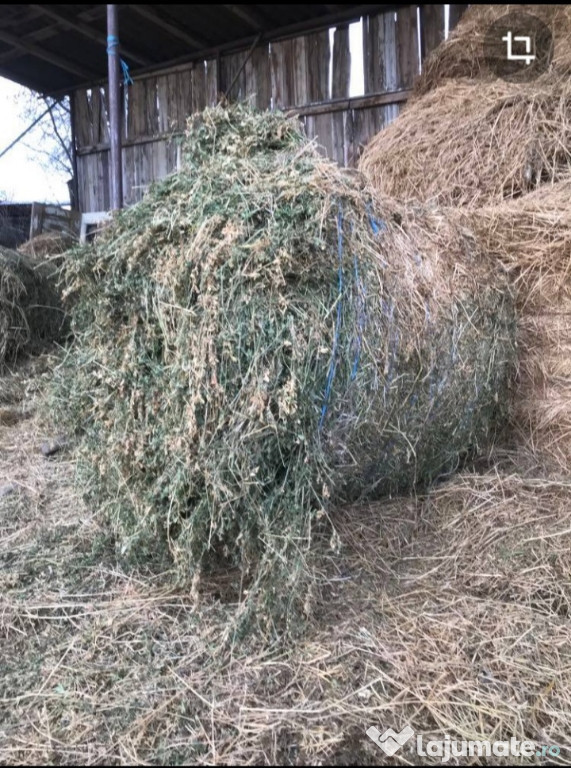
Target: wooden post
{"type": "Point", "coordinates": [114, 63]}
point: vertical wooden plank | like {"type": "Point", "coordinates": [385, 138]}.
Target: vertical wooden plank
{"type": "Point", "coordinates": [338, 137]}
{"type": "Point", "coordinates": [258, 79]}
{"type": "Point", "coordinates": [299, 70]}
{"type": "Point", "coordinates": [371, 63]}
{"type": "Point", "coordinates": [164, 118]}
{"type": "Point", "coordinates": [82, 118]}
{"type": "Point", "coordinates": [318, 57]}
{"type": "Point", "coordinates": [95, 115]}
{"type": "Point", "coordinates": [388, 52]}
{"type": "Point", "coordinates": [105, 195]}
{"type": "Point", "coordinates": [341, 63]}
{"type": "Point", "coordinates": [379, 50]}
{"type": "Point", "coordinates": [233, 79]}
{"type": "Point", "coordinates": [104, 123]}
{"type": "Point", "coordinates": [407, 46]}
{"type": "Point", "coordinates": [184, 96]}
{"type": "Point", "coordinates": [323, 130]}
{"type": "Point", "coordinates": [211, 83]}
{"type": "Point", "coordinates": [172, 100]}
{"type": "Point", "coordinates": [151, 115]}
{"type": "Point", "coordinates": [366, 123]}
{"type": "Point", "coordinates": [456, 13]}
{"type": "Point", "coordinates": [431, 28]}
{"type": "Point", "coordinates": [283, 92]}
{"type": "Point", "coordinates": [136, 113]}
{"type": "Point", "coordinates": [199, 99]}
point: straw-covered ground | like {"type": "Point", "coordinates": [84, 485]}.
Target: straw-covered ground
{"type": "Point", "coordinates": [449, 612]}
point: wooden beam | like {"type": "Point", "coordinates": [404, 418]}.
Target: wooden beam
{"type": "Point", "coordinates": [359, 102]}
{"type": "Point", "coordinates": [44, 33]}
{"type": "Point", "coordinates": [88, 31]}
{"type": "Point", "coordinates": [322, 108]}
{"type": "Point", "coordinates": [348, 14]}
{"type": "Point", "coordinates": [146, 13]}
{"type": "Point", "coordinates": [247, 14]}
{"type": "Point", "coordinates": [52, 58]}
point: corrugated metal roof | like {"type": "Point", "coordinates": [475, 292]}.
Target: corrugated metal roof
{"type": "Point", "coordinates": [56, 48]}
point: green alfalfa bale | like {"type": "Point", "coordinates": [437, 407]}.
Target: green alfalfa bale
{"type": "Point", "coordinates": [31, 313]}
{"type": "Point", "coordinates": [258, 339]}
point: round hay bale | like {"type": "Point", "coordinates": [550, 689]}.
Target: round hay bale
{"type": "Point", "coordinates": [474, 144]}
{"type": "Point", "coordinates": [258, 336]}
{"type": "Point", "coordinates": [531, 237]}
{"type": "Point", "coordinates": [468, 51]}
{"type": "Point", "coordinates": [31, 313]}
{"type": "Point", "coordinates": [48, 244]}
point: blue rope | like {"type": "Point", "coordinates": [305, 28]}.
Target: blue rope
{"type": "Point", "coordinates": [333, 363]}
{"type": "Point", "coordinates": [112, 44]}
{"type": "Point", "coordinates": [360, 319]}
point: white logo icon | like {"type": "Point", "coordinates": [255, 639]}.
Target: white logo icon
{"type": "Point", "coordinates": [528, 56]}
{"type": "Point", "coordinates": [390, 741]}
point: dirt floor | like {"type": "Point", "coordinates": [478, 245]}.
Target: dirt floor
{"type": "Point", "coordinates": [449, 613]}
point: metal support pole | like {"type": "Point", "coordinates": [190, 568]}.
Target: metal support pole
{"type": "Point", "coordinates": [114, 62]}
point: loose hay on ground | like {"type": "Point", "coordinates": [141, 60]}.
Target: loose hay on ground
{"type": "Point", "coordinates": [258, 335]}
{"type": "Point", "coordinates": [449, 612]}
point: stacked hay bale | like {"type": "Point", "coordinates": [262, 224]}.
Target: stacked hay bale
{"type": "Point", "coordinates": [472, 143]}
{"type": "Point", "coordinates": [532, 238]}
{"type": "Point", "coordinates": [259, 335]}
{"type": "Point", "coordinates": [47, 245]}
{"type": "Point", "coordinates": [470, 50]}
{"type": "Point", "coordinates": [498, 154]}
{"type": "Point", "coordinates": [31, 312]}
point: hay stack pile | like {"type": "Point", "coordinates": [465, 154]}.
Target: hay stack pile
{"type": "Point", "coordinates": [499, 155]}
{"type": "Point", "coordinates": [532, 238]}
{"type": "Point", "coordinates": [465, 55]}
{"type": "Point", "coordinates": [472, 143]}
{"type": "Point", "coordinates": [31, 313]}
{"type": "Point", "coordinates": [47, 245]}
{"type": "Point", "coordinates": [258, 335]}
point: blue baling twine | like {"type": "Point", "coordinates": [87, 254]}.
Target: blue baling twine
{"type": "Point", "coordinates": [333, 363]}
{"type": "Point", "coordinates": [112, 43]}
{"type": "Point", "coordinates": [378, 227]}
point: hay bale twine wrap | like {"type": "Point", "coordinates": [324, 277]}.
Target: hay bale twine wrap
{"type": "Point", "coordinates": [474, 144]}
{"type": "Point", "coordinates": [31, 312]}
{"type": "Point", "coordinates": [258, 338]}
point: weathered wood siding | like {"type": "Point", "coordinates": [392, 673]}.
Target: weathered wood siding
{"type": "Point", "coordinates": [309, 74]}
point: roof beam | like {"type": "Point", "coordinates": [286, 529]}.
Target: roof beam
{"type": "Point", "coordinates": [87, 31]}
{"type": "Point", "coordinates": [146, 13]}
{"type": "Point", "coordinates": [52, 58]}
{"type": "Point", "coordinates": [247, 14]}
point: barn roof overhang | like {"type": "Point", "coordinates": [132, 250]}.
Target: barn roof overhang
{"type": "Point", "coordinates": [54, 49]}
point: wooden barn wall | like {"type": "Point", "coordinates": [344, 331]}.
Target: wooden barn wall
{"type": "Point", "coordinates": [291, 74]}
